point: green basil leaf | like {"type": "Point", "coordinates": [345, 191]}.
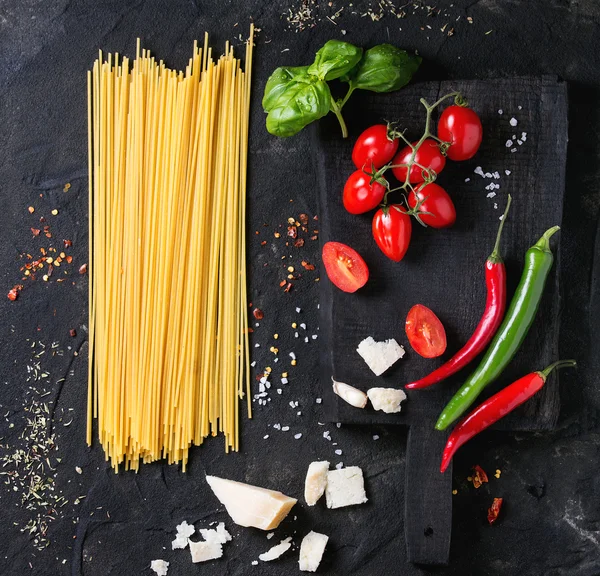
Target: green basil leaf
{"type": "Point", "coordinates": [279, 81]}
{"type": "Point", "coordinates": [301, 102]}
{"type": "Point", "coordinates": [335, 59]}
{"type": "Point", "coordinates": [384, 68]}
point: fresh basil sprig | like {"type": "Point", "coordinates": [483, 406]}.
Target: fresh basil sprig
{"type": "Point", "coordinates": [297, 96]}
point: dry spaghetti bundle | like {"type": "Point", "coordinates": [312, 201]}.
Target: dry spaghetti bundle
{"type": "Point", "coordinates": [168, 322]}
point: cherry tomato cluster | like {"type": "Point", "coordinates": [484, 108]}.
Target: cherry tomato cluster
{"type": "Point", "coordinates": [415, 166]}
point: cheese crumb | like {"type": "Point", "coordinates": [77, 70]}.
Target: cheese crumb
{"type": "Point", "coordinates": [204, 551]}
{"type": "Point", "coordinates": [160, 567]}
{"type": "Point", "coordinates": [311, 551]}
{"type": "Point", "coordinates": [276, 551]}
{"type": "Point", "coordinates": [316, 480]}
{"type": "Point", "coordinates": [380, 356]}
{"type": "Point", "coordinates": [345, 487]}
{"type": "Point", "coordinates": [387, 400]}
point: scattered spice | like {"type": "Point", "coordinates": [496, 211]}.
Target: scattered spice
{"type": "Point", "coordinates": [31, 209]}
{"type": "Point", "coordinates": [303, 219]}
{"type": "Point", "coordinates": [307, 266]}
{"type": "Point", "coordinates": [292, 231]}
{"type": "Point", "coordinates": [288, 287]}
{"type": "Point", "coordinates": [13, 293]}
{"type": "Point", "coordinates": [67, 187]}
{"type": "Point", "coordinates": [67, 243]}
{"type": "Point", "coordinates": [498, 473]}
{"type": "Point", "coordinates": [258, 314]}
{"type": "Point", "coordinates": [299, 243]}
{"type": "Point", "coordinates": [480, 477]}
{"type": "Point", "coordinates": [454, 492]}
{"type": "Point", "coordinates": [494, 510]}
{"type": "Point", "coordinates": [73, 332]}
{"type": "Point", "coordinates": [83, 269]}
{"type": "Point", "coordinates": [55, 212]}
{"type": "Point", "coordinates": [282, 283]}
{"type": "Point", "coordinates": [35, 231]}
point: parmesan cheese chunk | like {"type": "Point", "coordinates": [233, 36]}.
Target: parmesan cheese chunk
{"type": "Point", "coordinates": [345, 487]}
{"type": "Point", "coordinates": [160, 567]}
{"type": "Point", "coordinates": [219, 535]}
{"type": "Point", "coordinates": [251, 505]}
{"type": "Point", "coordinates": [350, 394]}
{"type": "Point", "coordinates": [380, 356]}
{"type": "Point", "coordinates": [311, 551]}
{"type": "Point", "coordinates": [316, 480]}
{"type": "Point", "coordinates": [207, 550]}
{"type": "Point", "coordinates": [276, 551]}
{"type": "Point", "coordinates": [386, 399]}
{"type": "Point", "coordinates": [184, 531]}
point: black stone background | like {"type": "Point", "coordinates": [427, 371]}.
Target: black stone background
{"type": "Point", "coordinates": [550, 522]}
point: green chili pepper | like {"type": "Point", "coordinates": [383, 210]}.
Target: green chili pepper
{"type": "Point", "coordinates": [512, 332]}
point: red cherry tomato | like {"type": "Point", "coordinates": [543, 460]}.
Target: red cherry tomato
{"type": "Point", "coordinates": [345, 266]}
{"type": "Point", "coordinates": [360, 195]}
{"type": "Point", "coordinates": [462, 128]}
{"type": "Point", "coordinates": [392, 230]}
{"type": "Point", "coordinates": [428, 155]}
{"type": "Point", "coordinates": [437, 202]}
{"type": "Point", "coordinates": [425, 332]}
{"type": "Point", "coordinates": [374, 148]}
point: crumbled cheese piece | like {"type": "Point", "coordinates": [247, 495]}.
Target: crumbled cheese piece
{"type": "Point", "coordinates": [316, 480]}
{"type": "Point", "coordinates": [270, 535]}
{"type": "Point", "coordinates": [204, 551]}
{"type": "Point", "coordinates": [353, 396]}
{"type": "Point", "coordinates": [184, 531]}
{"type": "Point", "coordinates": [380, 356]}
{"type": "Point", "coordinates": [386, 399]}
{"type": "Point", "coordinates": [160, 567]}
{"type": "Point", "coordinates": [345, 487]}
{"type": "Point", "coordinates": [276, 551]}
{"type": "Point", "coordinates": [219, 535]}
{"type": "Point", "coordinates": [311, 551]}
{"type": "Point", "coordinates": [251, 505]}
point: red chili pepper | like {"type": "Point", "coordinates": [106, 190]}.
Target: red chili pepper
{"type": "Point", "coordinates": [495, 305]}
{"type": "Point", "coordinates": [494, 510]}
{"type": "Point", "coordinates": [496, 407]}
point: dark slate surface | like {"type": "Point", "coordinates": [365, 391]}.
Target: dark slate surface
{"type": "Point", "coordinates": [551, 519]}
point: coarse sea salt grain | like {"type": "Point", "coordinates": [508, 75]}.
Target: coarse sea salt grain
{"type": "Point", "coordinates": [467, 179]}
{"type": "Point", "coordinates": [326, 435]}
{"type": "Point", "coordinates": [303, 326]}
{"type": "Point", "coordinates": [284, 380]}
{"type": "Point", "coordinates": [318, 400]}
{"type": "Point", "coordinates": [509, 143]}
{"type": "Point", "coordinates": [265, 436]}
{"type": "Point", "coordinates": [279, 391]}
{"type": "Point", "coordinates": [253, 363]}
{"type": "Point", "coordinates": [490, 194]}
{"type": "Point", "coordinates": [500, 112]}
{"type": "Point", "coordinates": [339, 465]}
{"type": "Point", "coordinates": [513, 121]}
{"type": "Point", "coordinates": [495, 206]}
{"type": "Point", "coordinates": [338, 452]}
{"type": "Point", "coordinates": [298, 310]}
{"type": "Point", "coordinates": [315, 336]}
{"type": "Point", "coordinates": [285, 428]}
{"type": "Point", "coordinates": [298, 436]}
{"type": "Point", "coordinates": [507, 172]}
{"type": "Point", "coordinates": [292, 356]}
{"type": "Point", "coordinates": [375, 436]}
{"type": "Point", "coordinates": [513, 150]}
{"type": "Point", "coordinates": [479, 171]}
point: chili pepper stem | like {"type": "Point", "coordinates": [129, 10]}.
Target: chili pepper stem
{"type": "Point", "coordinates": [556, 366]}
{"type": "Point", "coordinates": [544, 242]}
{"type": "Point", "coordinates": [495, 256]}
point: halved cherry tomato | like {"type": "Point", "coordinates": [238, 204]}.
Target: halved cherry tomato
{"type": "Point", "coordinates": [461, 127]}
{"type": "Point", "coordinates": [345, 266]}
{"type": "Point", "coordinates": [425, 332]}
{"type": "Point", "coordinates": [392, 229]}
{"type": "Point", "coordinates": [436, 201]}
{"type": "Point", "coordinates": [374, 148]}
{"type": "Point", "coordinates": [360, 195]}
{"type": "Point", "coordinates": [428, 155]}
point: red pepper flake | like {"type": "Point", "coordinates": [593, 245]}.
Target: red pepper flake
{"type": "Point", "coordinates": [315, 217]}
{"type": "Point", "coordinates": [67, 243]}
{"type": "Point", "coordinates": [303, 219]}
{"type": "Point", "coordinates": [258, 313]}
{"type": "Point", "coordinates": [13, 293]}
{"type": "Point", "coordinates": [72, 333]}
{"type": "Point", "coordinates": [282, 283]}
{"type": "Point", "coordinates": [308, 266]}
{"type": "Point", "coordinates": [69, 259]}
{"type": "Point", "coordinates": [314, 237]}
{"type": "Point", "coordinates": [263, 243]}
{"type": "Point", "coordinates": [83, 269]}
{"type": "Point", "coordinates": [299, 243]}
{"type": "Point", "coordinates": [42, 219]}
{"type": "Point", "coordinates": [292, 231]}
{"type": "Point", "coordinates": [480, 477]}
{"type": "Point", "coordinates": [35, 231]}
{"type": "Point", "coordinates": [494, 510]}
{"type": "Point", "coordinates": [288, 287]}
